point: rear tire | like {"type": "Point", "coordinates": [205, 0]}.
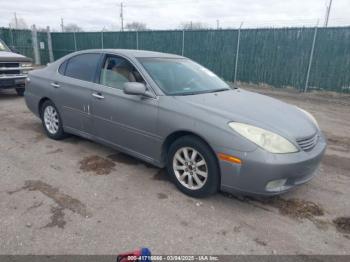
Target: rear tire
{"type": "Point", "coordinates": [20, 91]}
{"type": "Point", "coordinates": [51, 121]}
{"type": "Point", "coordinates": [193, 167]}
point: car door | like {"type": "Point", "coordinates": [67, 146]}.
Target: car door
{"type": "Point", "coordinates": [126, 121]}
{"type": "Point", "coordinates": [73, 88]}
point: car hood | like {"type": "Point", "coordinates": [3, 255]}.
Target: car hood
{"type": "Point", "coordinates": [13, 57]}
{"type": "Point", "coordinates": [255, 109]}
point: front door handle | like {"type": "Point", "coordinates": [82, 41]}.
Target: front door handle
{"type": "Point", "coordinates": [55, 85]}
{"type": "Point", "coordinates": [98, 95]}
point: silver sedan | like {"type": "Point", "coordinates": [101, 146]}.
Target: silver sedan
{"type": "Point", "coordinates": [172, 112]}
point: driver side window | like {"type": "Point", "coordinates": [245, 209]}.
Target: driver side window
{"type": "Point", "coordinates": [116, 71]}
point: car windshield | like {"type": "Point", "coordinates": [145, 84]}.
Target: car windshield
{"type": "Point", "coordinates": [182, 76]}
{"type": "Point", "coordinates": [3, 47]}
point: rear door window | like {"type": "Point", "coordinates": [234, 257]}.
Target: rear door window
{"type": "Point", "coordinates": [83, 67]}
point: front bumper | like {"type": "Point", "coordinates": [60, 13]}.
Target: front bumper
{"type": "Point", "coordinates": [11, 81]}
{"type": "Point", "coordinates": [259, 167]}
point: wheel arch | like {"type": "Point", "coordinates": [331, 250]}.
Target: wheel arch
{"type": "Point", "coordinates": [171, 138]}
{"type": "Point", "coordinates": [41, 102]}
{"type": "Point", "coordinates": [180, 133]}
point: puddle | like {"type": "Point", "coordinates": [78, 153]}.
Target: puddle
{"type": "Point", "coordinates": [126, 159]}
{"type": "Point", "coordinates": [342, 224]}
{"type": "Point", "coordinates": [98, 165]}
{"type": "Point", "coordinates": [295, 208]}
{"type": "Point", "coordinates": [161, 175]}
{"type": "Point", "coordinates": [63, 201]}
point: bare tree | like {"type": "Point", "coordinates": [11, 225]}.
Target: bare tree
{"type": "Point", "coordinates": [136, 26]}
{"type": "Point", "coordinates": [18, 23]}
{"type": "Point", "coordinates": [72, 28]}
{"type": "Point", "coordinates": [192, 25]}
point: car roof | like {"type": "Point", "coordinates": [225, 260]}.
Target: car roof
{"type": "Point", "coordinates": [134, 53]}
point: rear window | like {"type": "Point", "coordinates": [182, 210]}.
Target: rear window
{"type": "Point", "coordinates": [82, 66]}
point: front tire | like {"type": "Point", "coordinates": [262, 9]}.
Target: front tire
{"type": "Point", "coordinates": [51, 121]}
{"type": "Point", "coordinates": [193, 167]}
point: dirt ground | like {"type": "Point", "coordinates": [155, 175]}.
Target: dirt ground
{"type": "Point", "coordinates": [78, 197]}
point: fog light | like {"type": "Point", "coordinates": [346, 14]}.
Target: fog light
{"type": "Point", "coordinates": [276, 185]}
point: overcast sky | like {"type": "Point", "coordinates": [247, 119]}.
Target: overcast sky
{"type": "Point", "coordinates": [168, 14]}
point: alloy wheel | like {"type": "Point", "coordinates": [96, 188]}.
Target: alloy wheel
{"type": "Point", "coordinates": [190, 168]}
{"type": "Point", "coordinates": [51, 119]}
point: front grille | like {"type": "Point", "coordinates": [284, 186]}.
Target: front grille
{"type": "Point", "coordinates": [9, 65]}
{"type": "Point", "coordinates": [307, 144]}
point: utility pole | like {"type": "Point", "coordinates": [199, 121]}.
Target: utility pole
{"type": "Point", "coordinates": [328, 13]}
{"type": "Point", "coordinates": [16, 21]}
{"type": "Point", "coordinates": [122, 15]}
{"type": "Point", "coordinates": [62, 25]}
{"type": "Point", "coordinates": [237, 53]}
{"type": "Point", "coordinates": [217, 24]}
{"type": "Point", "coordinates": [311, 58]}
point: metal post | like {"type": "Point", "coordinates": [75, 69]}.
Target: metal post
{"type": "Point", "coordinates": [183, 43]}
{"type": "Point", "coordinates": [237, 53]}
{"type": "Point", "coordinates": [137, 40]}
{"type": "Point", "coordinates": [102, 43]}
{"type": "Point", "coordinates": [311, 58]}
{"type": "Point", "coordinates": [49, 44]}
{"type": "Point", "coordinates": [35, 45]}
{"type": "Point", "coordinates": [75, 42]}
{"type": "Point", "coordinates": [12, 41]}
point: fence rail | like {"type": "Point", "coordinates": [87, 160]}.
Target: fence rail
{"type": "Point", "coordinates": [298, 57]}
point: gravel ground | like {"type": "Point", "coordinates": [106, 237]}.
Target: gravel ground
{"type": "Point", "coordinates": [78, 197]}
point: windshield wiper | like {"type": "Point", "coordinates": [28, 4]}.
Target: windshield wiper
{"type": "Point", "coordinates": [187, 94]}
{"type": "Point", "coordinates": [202, 92]}
{"type": "Point", "coordinates": [219, 90]}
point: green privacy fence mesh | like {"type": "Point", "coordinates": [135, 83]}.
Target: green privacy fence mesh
{"type": "Point", "coordinates": [279, 57]}
{"type": "Point", "coordinates": [43, 48]}
{"type": "Point", "coordinates": [20, 40]}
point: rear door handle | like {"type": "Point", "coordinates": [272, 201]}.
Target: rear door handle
{"type": "Point", "coordinates": [55, 85]}
{"type": "Point", "coordinates": [98, 95]}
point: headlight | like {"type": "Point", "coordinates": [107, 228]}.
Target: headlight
{"type": "Point", "coordinates": [26, 64]}
{"type": "Point", "coordinates": [269, 141]}
{"type": "Point", "coordinates": [311, 117]}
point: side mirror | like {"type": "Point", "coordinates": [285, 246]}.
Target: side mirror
{"type": "Point", "coordinates": [135, 88]}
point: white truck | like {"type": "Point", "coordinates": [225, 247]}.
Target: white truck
{"type": "Point", "coordinates": [13, 69]}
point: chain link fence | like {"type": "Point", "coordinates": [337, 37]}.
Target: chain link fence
{"type": "Point", "coordinates": [303, 58]}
